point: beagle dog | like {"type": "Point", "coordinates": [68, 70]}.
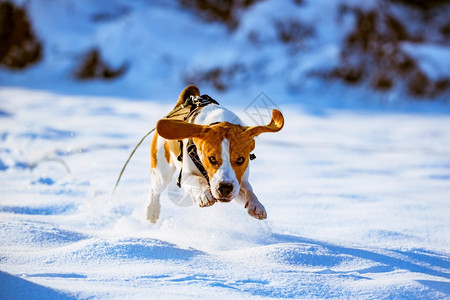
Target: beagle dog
{"type": "Point", "coordinates": [223, 145]}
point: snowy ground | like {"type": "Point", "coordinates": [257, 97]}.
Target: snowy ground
{"type": "Point", "coordinates": [358, 207]}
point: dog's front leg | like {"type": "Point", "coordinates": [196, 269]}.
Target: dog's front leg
{"type": "Point", "coordinates": [249, 200]}
{"type": "Point", "coordinates": [199, 190]}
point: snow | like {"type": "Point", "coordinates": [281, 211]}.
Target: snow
{"type": "Point", "coordinates": [357, 205]}
{"type": "Point", "coordinates": [164, 45]}
{"type": "Point", "coordinates": [356, 185]}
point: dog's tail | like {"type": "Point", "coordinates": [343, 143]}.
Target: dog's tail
{"type": "Point", "coordinates": [190, 90]}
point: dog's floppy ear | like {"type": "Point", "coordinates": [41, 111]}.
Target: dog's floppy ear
{"type": "Point", "coordinates": [178, 130]}
{"type": "Point", "coordinates": [275, 125]}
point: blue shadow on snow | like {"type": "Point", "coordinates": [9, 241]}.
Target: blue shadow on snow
{"type": "Point", "coordinates": [13, 287]}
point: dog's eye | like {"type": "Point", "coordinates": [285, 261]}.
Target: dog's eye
{"type": "Point", "coordinates": [240, 160]}
{"type": "Point", "coordinates": [212, 160]}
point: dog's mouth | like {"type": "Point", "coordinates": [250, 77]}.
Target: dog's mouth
{"type": "Point", "coordinates": [224, 200]}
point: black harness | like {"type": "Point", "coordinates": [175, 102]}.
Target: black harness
{"type": "Point", "coordinates": [196, 103]}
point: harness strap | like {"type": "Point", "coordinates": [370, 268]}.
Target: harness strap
{"type": "Point", "coordinates": [196, 103]}
{"type": "Point", "coordinates": [192, 151]}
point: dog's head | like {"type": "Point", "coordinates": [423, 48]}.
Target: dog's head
{"type": "Point", "coordinates": [223, 148]}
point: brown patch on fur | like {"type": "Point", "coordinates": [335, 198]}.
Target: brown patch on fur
{"type": "Point", "coordinates": [154, 151]}
{"type": "Point", "coordinates": [210, 145]}
{"type": "Point", "coordinates": [174, 147]}
{"type": "Point", "coordinates": [240, 145]}
{"type": "Point", "coordinates": [167, 151]}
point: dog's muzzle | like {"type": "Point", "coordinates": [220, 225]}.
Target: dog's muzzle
{"type": "Point", "coordinates": [225, 189]}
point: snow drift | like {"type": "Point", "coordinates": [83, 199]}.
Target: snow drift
{"type": "Point", "coordinates": [357, 208]}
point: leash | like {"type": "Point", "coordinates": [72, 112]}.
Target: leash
{"type": "Point", "coordinates": [128, 160]}
{"type": "Point", "coordinates": [196, 103]}
{"type": "Point", "coordinates": [171, 114]}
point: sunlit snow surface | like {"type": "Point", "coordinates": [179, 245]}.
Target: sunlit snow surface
{"type": "Point", "coordinates": [358, 207]}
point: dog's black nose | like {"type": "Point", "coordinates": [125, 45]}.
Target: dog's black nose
{"type": "Point", "coordinates": [225, 189]}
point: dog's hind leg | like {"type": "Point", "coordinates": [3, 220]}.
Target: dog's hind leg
{"type": "Point", "coordinates": [161, 174]}
{"type": "Point", "coordinates": [160, 178]}
{"type": "Point", "coordinates": [153, 206]}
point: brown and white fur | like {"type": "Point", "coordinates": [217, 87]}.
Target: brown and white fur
{"type": "Point", "coordinates": [224, 150]}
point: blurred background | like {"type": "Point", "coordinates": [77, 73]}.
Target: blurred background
{"type": "Point", "coordinates": [343, 53]}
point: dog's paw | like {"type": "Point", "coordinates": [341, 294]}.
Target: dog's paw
{"type": "Point", "coordinates": [256, 210]}
{"type": "Point", "coordinates": [206, 199]}
{"type": "Point", "coordinates": [153, 210]}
